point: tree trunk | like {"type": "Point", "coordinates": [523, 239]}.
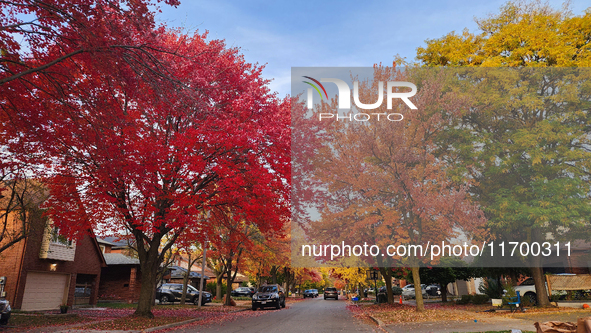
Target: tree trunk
{"type": "Point", "coordinates": [184, 294]}
{"type": "Point", "coordinates": [186, 282]}
{"type": "Point", "coordinates": [418, 291]}
{"type": "Point", "coordinates": [537, 272]}
{"type": "Point", "coordinates": [387, 274]}
{"type": "Point", "coordinates": [443, 291]}
{"type": "Point", "coordinates": [274, 274]}
{"type": "Point", "coordinates": [218, 286]}
{"type": "Point", "coordinates": [228, 281]}
{"type": "Point", "coordinates": [149, 272]}
{"type": "Point", "coordinates": [541, 292]}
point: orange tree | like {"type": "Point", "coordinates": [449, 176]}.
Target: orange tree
{"type": "Point", "coordinates": [393, 183]}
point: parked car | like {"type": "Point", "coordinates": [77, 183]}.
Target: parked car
{"type": "Point", "coordinates": [408, 291]}
{"type": "Point", "coordinates": [5, 311]}
{"type": "Point", "coordinates": [527, 290]}
{"type": "Point", "coordinates": [433, 290]}
{"type": "Point", "coordinates": [382, 295]}
{"type": "Point", "coordinates": [331, 292]}
{"type": "Point", "coordinates": [242, 292]}
{"type": "Point", "coordinates": [311, 293]}
{"type": "Point", "coordinates": [395, 290]}
{"type": "Point", "coordinates": [172, 292]}
{"type": "Point", "coordinates": [267, 296]}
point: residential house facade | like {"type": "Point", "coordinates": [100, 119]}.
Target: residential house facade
{"type": "Point", "coordinates": [45, 270]}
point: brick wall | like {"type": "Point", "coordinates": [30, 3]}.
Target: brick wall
{"type": "Point", "coordinates": [121, 283]}
{"type": "Point", "coordinates": [10, 265]}
{"type": "Point", "coordinates": [87, 260]}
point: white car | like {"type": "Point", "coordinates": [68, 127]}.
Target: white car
{"type": "Point", "coordinates": [408, 291]}
{"type": "Point", "coordinates": [527, 289]}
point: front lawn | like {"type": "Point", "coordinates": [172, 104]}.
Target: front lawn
{"type": "Point", "coordinates": [133, 323]}
{"type": "Point", "coordinates": [403, 313]}
{"type": "Point", "coordinates": [440, 312]}
{"type": "Point", "coordinates": [28, 321]}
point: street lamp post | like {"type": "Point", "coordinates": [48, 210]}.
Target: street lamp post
{"type": "Point", "coordinates": [374, 275]}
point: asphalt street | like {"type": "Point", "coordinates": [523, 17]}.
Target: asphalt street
{"type": "Point", "coordinates": [311, 316]}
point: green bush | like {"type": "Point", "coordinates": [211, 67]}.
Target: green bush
{"type": "Point", "coordinates": [510, 295]}
{"type": "Point", "coordinates": [464, 300]}
{"type": "Point", "coordinates": [480, 299]}
{"type": "Point", "coordinates": [492, 288]}
{"type": "Point", "coordinates": [211, 287]}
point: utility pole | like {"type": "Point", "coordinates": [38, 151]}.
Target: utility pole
{"type": "Point", "coordinates": [204, 245]}
{"type": "Point", "coordinates": [202, 273]}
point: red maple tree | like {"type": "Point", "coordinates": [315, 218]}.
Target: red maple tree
{"type": "Point", "coordinates": [129, 150]}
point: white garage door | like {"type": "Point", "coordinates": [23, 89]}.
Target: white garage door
{"type": "Point", "coordinates": [44, 291]}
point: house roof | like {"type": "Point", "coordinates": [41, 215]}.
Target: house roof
{"type": "Point", "coordinates": [120, 259]}
{"type": "Point", "coordinates": [179, 272]}
{"type": "Point", "coordinates": [102, 241]}
{"type": "Point", "coordinates": [116, 242]}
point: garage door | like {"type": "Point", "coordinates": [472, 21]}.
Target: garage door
{"type": "Point", "coordinates": [44, 291]}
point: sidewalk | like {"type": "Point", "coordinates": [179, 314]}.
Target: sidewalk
{"type": "Point", "coordinates": [523, 322]}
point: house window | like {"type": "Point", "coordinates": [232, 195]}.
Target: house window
{"type": "Point", "coordinates": [59, 239]}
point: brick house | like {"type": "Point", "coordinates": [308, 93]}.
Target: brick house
{"type": "Point", "coordinates": [46, 270]}
{"type": "Point", "coordinates": [120, 278]}
{"type": "Point", "coordinates": [177, 275]}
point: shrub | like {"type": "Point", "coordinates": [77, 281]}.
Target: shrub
{"type": "Point", "coordinates": [510, 295]}
{"type": "Point", "coordinates": [211, 287]}
{"type": "Point", "coordinates": [491, 288]}
{"type": "Point", "coordinates": [465, 299]}
{"type": "Point", "coordinates": [480, 299]}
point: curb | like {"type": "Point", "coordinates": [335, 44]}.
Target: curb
{"type": "Point", "coordinates": [180, 323]}
{"type": "Point", "coordinates": [246, 309]}
{"type": "Point", "coordinates": [377, 321]}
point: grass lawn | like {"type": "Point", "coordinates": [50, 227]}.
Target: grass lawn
{"type": "Point", "coordinates": [133, 323]}
{"type": "Point", "coordinates": [115, 305]}
{"type": "Point", "coordinates": [189, 306]}
{"type": "Point", "coordinates": [37, 320]}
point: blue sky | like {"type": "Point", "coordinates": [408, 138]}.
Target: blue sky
{"type": "Point", "coordinates": [285, 34]}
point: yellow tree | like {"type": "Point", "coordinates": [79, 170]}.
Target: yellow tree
{"type": "Point", "coordinates": [522, 34]}
{"type": "Point", "coordinates": [532, 145]}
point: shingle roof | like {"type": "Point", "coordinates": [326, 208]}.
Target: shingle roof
{"type": "Point", "coordinates": [120, 259]}
{"type": "Point", "coordinates": [102, 241]}
{"type": "Point", "coordinates": [179, 272]}
{"type": "Point", "coordinates": [116, 241]}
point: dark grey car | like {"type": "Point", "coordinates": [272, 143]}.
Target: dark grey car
{"type": "Point", "coordinates": [271, 295]}
{"type": "Point", "coordinates": [171, 292]}
{"type": "Point", "coordinates": [331, 292]}
{"type": "Point", "coordinates": [4, 311]}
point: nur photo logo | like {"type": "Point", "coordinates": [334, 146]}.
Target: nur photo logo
{"type": "Point", "coordinates": [344, 99]}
